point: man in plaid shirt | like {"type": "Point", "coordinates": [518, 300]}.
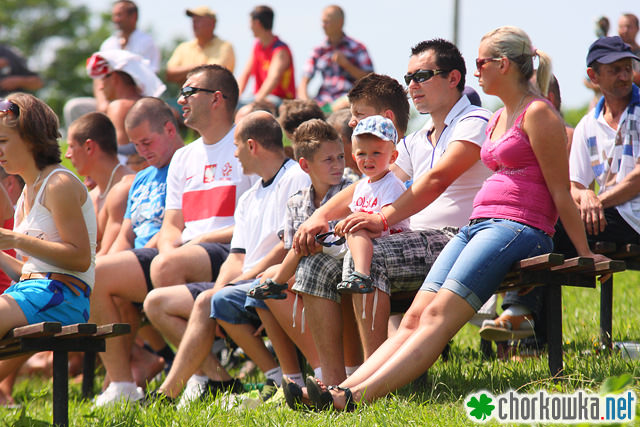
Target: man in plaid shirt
{"type": "Point", "coordinates": [340, 59]}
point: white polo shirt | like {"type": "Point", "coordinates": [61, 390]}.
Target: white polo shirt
{"type": "Point", "coordinates": [417, 156]}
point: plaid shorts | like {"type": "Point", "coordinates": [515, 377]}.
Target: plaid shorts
{"type": "Point", "coordinates": [401, 261]}
{"type": "Point", "coordinates": [318, 275]}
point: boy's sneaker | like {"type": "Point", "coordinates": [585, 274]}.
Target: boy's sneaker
{"type": "Point", "coordinates": [119, 392]}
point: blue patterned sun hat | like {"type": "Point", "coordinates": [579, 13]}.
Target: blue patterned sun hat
{"type": "Point", "coordinates": [379, 126]}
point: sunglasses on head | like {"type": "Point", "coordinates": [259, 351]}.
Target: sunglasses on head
{"type": "Point", "coordinates": [187, 91]}
{"type": "Point", "coordinates": [422, 76]}
{"type": "Point", "coordinates": [481, 61]}
{"type": "Point", "coordinates": [6, 105]}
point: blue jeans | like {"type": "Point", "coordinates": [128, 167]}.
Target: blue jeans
{"type": "Point", "coordinates": [475, 261]}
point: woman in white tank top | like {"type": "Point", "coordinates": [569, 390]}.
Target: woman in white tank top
{"type": "Point", "coordinates": [54, 226]}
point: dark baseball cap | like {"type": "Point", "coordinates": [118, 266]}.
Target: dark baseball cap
{"type": "Point", "coordinates": [606, 50]}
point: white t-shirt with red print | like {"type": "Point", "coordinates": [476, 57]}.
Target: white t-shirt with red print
{"type": "Point", "coordinates": [205, 181]}
{"type": "Point", "coordinates": [371, 197]}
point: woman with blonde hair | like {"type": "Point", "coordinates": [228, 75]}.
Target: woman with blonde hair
{"type": "Point", "coordinates": [513, 218]}
{"type": "Point", "coordinates": [54, 226]}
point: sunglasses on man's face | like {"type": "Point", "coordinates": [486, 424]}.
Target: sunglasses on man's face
{"type": "Point", "coordinates": [422, 76]}
{"type": "Point", "coordinates": [6, 105]}
{"type": "Point", "coordinates": [187, 91]}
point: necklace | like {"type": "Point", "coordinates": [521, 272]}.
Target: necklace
{"type": "Point", "coordinates": [106, 190]}
{"type": "Point", "coordinates": [516, 111]}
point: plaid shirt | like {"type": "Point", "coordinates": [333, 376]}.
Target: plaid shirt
{"type": "Point", "coordinates": [336, 82]}
{"type": "Point", "coordinates": [300, 206]}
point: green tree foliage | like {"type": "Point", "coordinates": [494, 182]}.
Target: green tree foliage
{"type": "Point", "coordinates": [57, 37]}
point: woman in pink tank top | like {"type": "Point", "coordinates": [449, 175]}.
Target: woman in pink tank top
{"type": "Point", "coordinates": [513, 218]}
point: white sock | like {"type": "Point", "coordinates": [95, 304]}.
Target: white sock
{"type": "Point", "coordinates": [275, 374]}
{"type": "Point", "coordinates": [297, 378]}
{"type": "Point", "coordinates": [350, 370]}
{"type": "Point", "coordinates": [317, 372]}
{"type": "Point", "coordinates": [516, 310]}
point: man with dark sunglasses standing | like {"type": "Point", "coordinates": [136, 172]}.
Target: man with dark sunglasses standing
{"type": "Point", "coordinates": [443, 159]}
{"type": "Point", "coordinates": [204, 183]}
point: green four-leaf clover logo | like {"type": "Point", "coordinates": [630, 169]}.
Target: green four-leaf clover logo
{"type": "Point", "coordinates": [481, 407]}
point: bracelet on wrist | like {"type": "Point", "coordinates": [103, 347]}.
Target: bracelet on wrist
{"type": "Point", "coordinates": [385, 224]}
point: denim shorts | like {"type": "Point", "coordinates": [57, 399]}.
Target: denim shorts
{"type": "Point", "coordinates": [44, 300]}
{"type": "Point", "coordinates": [475, 261]}
{"type": "Point", "coordinates": [232, 305]}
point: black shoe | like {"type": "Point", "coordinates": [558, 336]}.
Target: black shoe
{"type": "Point", "coordinates": [212, 388]}
{"type": "Point", "coordinates": [156, 396]}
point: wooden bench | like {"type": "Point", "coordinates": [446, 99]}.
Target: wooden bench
{"type": "Point", "coordinates": [51, 336]}
{"type": "Point", "coordinates": [552, 271]}
{"type": "Point", "coordinates": [630, 254]}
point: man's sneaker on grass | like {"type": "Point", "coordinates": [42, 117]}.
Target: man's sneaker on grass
{"type": "Point", "coordinates": [507, 327]}
{"type": "Point", "coordinates": [118, 393]}
{"type": "Point", "coordinates": [195, 387]}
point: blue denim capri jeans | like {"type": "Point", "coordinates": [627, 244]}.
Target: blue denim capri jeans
{"type": "Point", "coordinates": [475, 261]}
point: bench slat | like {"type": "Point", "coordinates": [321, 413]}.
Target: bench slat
{"type": "Point", "coordinates": [574, 265]}
{"type": "Point", "coordinates": [540, 262]}
{"type": "Point", "coordinates": [37, 329]}
{"type": "Point", "coordinates": [113, 330]}
{"type": "Point", "coordinates": [79, 329]}
{"type": "Point", "coordinates": [606, 267]}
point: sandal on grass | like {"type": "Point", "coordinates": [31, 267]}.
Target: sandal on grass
{"type": "Point", "coordinates": [322, 399]}
{"type": "Point", "coordinates": [268, 290]}
{"type": "Point", "coordinates": [356, 283]}
{"type": "Point", "coordinates": [349, 404]}
{"type": "Point", "coordinates": [293, 394]}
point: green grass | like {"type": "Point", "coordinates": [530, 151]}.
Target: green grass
{"type": "Point", "coordinates": [435, 400]}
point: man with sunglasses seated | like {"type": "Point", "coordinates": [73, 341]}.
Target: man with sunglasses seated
{"type": "Point", "coordinates": [204, 183]}
{"type": "Point", "coordinates": [443, 159]}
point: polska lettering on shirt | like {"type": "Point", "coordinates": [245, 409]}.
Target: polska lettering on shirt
{"type": "Point", "coordinates": [366, 203]}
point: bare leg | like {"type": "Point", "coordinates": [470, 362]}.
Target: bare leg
{"type": "Point", "coordinates": [11, 315]}
{"type": "Point", "coordinates": [186, 264]}
{"type": "Point", "coordinates": [440, 321]}
{"type": "Point", "coordinates": [282, 344]}
{"type": "Point", "coordinates": [325, 322]}
{"type": "Point", "coordinates": [245, 336]}
{"type": "Point", "coordinates": [372, 337]}
{"type": "Point", "coordinates": [195, 348]}
{"type": "Point", "coordinates": [6, 388]}
{"type": "Point", "coordinates": [111, 283]}
{"type": "Point", "coordinates": [361, 248]}
{"type": "Point", "coordinates": [7, 368]}
{"type": "Point", "coordinates": [390, 346]}
{"type": "Point", "coordinates": [168, 310]}
{"type": "Point", "coordinates": [351, 341]}
{"type": "Point", "coordinates": [282, 311]}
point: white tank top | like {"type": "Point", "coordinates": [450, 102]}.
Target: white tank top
{"type": "Point", "coordinates": [39, 223]}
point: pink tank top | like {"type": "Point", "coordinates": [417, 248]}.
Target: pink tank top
{"type": "Point", "coordinates": [516, 190]}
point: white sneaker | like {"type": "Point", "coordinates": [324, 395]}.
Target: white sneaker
{"type": "Point", "coordinates": [194, 388]}
{"type": "Point", "coordinates": [119, 392]}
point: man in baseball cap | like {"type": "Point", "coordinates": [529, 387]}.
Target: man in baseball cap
{"type": "Point", "coordinates": [205, 48]}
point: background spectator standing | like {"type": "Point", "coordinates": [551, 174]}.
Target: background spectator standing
{"type": "Point", "coordinates": [340, 59]}
{"type": "Point", "coordinates": [14, 73]}
{"type": "Point", "coordinates": [628, 30]}
{"type": "Point", "coordinates": [205, 48]}
{"type": "Point", "coordinates": [270, 63]}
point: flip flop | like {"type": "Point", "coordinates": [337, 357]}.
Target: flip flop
{"type": "Point", "coordinates": [322, 399]}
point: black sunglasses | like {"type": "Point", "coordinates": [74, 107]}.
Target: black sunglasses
{"type": "Point", "coordinates": [322, 239]}
{"type": "Point", "coordinates": [6, 105]}
{"type": "Point", "coordinates": [187, 91]}
{"type": "Point", "coordinates": [422, 76]}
